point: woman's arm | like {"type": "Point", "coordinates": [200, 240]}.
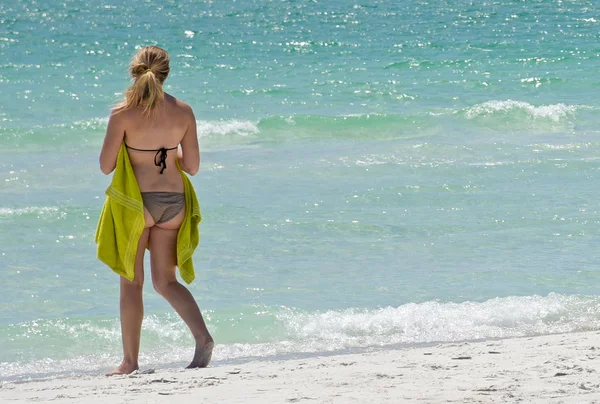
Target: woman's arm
{"type": "Point", "coordinates": [189, 152]}
{"type": "Point", "coordinates": [115, 132]}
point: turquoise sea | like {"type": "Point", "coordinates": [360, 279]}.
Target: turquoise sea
{"type": "Point", "coordinates": [374, 174]}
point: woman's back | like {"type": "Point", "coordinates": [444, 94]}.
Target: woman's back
{"type": "Point", "coordinates": [165, 129]}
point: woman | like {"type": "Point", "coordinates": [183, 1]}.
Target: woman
{"type": "Point", "coordinates": [153, 135]}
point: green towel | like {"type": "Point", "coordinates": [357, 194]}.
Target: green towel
{"type": "Point", "coordinates": [122, 222]}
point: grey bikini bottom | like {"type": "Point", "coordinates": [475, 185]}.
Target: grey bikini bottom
{"type": "Point", "coordinates": [163, 206]}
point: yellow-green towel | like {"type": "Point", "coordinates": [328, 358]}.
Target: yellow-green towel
{"type": "Point", "coordinates": [122, 222]}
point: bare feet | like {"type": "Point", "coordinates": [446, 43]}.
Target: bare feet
{"type": "Point", "coordinates": [202, 355]}
{"type": "Point", "coordinates": [124, 368]}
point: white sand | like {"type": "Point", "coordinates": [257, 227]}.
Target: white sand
{"type": "Point", "coordinates": [550, 369]}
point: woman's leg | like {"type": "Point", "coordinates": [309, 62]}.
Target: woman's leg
{"type": "Point", "coordinates": [132, 312]}
{"type": "Point", "coordinates": [163, 260]}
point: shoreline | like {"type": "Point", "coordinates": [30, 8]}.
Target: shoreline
{"type": "Point", "coordinates": [542, 369]}
{"type": "Point", "coordinates": [242, 361]}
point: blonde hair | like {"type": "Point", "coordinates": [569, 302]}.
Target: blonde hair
{"type": "Point", "coordinates": [149, 70]}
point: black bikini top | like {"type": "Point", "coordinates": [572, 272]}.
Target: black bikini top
{"type": "Point", "coordinates": [160, 158]}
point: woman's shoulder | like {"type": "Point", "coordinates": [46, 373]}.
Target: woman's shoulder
{"type": "Point", "coordinates": [120, 115]}
{"type": "Point", "coordinates": [177, 103]}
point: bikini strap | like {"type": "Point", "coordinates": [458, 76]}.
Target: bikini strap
{"type": "Point", "coordinates": [160, 158]}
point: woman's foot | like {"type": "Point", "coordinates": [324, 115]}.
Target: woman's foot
{"type": "Point", "coordinates": [202, 355]}
{"type": "Point", "coordinates": [124, 368]}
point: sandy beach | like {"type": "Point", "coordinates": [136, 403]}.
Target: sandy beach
{"type": "Point", "coordinates": [547, 369]}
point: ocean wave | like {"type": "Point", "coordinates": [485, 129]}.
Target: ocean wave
{"type": "Point", "coordinates": [500, 116]}
{"type": "Point", "coordinates": [492, 115]}
{"type": "Point", "coordinates": [271, 331]}
{"type": "Point", "coordinates": [523, 110]}
{"type": "Point", "coordinates": [517, 112]}
{"type": "Point", "coordinates": [226, 127]}
{"type": "Point", "coordinates": [444, 322]}
{"type": "Point", "coordinates": [298, 127]}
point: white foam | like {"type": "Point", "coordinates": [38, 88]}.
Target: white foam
{"type": "Point", "coordinates": [568, 146]}
{"type": "Point", "coordinates": [295, 331]}
{"type": "Point", "coordinates": [435, 321]}
{"type": "Point", "coordinates": [226, 127]}
{"type": "Point", "coordinates": [554, 112]}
